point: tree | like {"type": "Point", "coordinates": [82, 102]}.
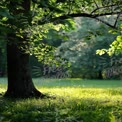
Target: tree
{"type": "Point", "coordinates": [19, 16]}
{"type": "Point", "coordinates": [19, 79]}
{"type": "Point", "coordinates": [89, 36]}
{"type": "Point", "coordinates": [114, 51]}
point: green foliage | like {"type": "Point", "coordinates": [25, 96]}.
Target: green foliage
{"type": "Point", "coordinates": [47, 18]}
{"type": "Point", "coordinates": [114, 51]}
{"type": "Point", "coordinates": [4, 12]}
{"type": "Point", "coordinates": [76, 100]}
{"type": "Point", "coordinates": [116, 46]}
{"type": "Point", "coordinates": [81, 48]}
{"type": "Point", "coordinates": [4, 15]}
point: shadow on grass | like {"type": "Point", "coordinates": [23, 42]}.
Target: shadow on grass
{"type": "Point", "coordinates": [115, 91]}
{"type": "Point", "coordinates": [50, 83]}
{"type": "Point", "coordinates": [61, 109]}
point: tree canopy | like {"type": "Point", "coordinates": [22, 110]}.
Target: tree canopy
{"type": "Point", "coordinates": [25, 23]}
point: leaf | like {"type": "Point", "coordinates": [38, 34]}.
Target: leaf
{"type": "Point", "coordinates": [101, 52]}
{"type": "Point", "coordinates": [43, 4]}
{"type": "Point", "coordinates": [4, 12]}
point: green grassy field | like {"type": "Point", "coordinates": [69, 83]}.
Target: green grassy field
{"type": "Point", "coordinates": [76, 101]}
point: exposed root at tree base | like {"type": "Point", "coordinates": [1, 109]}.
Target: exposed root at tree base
{"type": "Point", "coordinates": [33, 94]}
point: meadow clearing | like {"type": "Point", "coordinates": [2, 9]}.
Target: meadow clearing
{"type": "Point", "coordinates": [72, 100]}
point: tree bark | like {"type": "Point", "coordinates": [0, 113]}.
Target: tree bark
{"type": "Point", "coordinates": [19, 77]}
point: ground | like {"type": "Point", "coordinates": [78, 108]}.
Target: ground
{"type": "Point", "coordinates": [75, 100]}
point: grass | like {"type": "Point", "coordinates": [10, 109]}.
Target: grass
{"type": "Point", "coordinates": [76, 101]}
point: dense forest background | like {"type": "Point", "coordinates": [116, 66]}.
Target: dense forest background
{"type": "Point", "coordinates": [74, 52]}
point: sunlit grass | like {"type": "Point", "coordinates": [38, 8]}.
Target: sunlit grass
{"type": "Point", "coordinates": [75, 100]}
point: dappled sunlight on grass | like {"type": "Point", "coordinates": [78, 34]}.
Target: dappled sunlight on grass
{"type": "Point", "coordinates": [85, 93]}
{"type": "Point", "coordinates": [70, 103]}
{"type": "Point", "coordinates": [2, 90]}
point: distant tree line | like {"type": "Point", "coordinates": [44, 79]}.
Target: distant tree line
{"type": "Point", "coordinates": [78, 48]}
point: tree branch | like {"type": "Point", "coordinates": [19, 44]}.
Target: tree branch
{"type": "Point", "coordinates": [57, 20]}
{"type": "Point", "coordinates": [102, 7]}
{"type": "Point", "coordinates": [112, 26]}
{"type": "Point", "coordinates": [117, 18]}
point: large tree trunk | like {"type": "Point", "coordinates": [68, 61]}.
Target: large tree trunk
{"type": "Point", "coordinates": [19, 77]}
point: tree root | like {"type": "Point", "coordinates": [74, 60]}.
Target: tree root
{"type": "Point", "coordinates": [33, 94]}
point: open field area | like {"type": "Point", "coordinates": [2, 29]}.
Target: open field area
{"type": "Point", "coordinates": [74, 100]}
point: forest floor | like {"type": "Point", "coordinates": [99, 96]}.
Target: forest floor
{"type": "Point", "coordinates": [74, 100]}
